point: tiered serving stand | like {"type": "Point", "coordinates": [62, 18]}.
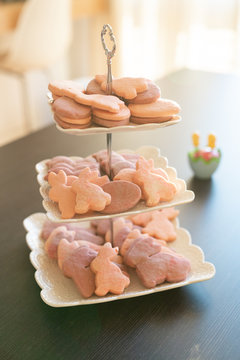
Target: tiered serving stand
{"type": "Point", "coordinates": [59, 291]}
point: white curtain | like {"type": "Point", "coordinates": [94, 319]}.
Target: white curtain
{"type": "Point", "coordinates": [155, 37]}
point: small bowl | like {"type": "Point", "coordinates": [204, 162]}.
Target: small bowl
{"type": "Point", "coordinates": [203, 169]}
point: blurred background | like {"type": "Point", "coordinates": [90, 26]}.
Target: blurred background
{"type": "Point", "coordinates": [43, 40]}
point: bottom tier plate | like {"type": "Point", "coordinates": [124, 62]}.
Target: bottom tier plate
{"type": "Point", "coordinates": [59, 291]}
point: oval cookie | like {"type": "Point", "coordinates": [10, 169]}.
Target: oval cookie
{"type": "Point", "coordinates": [124, 196]}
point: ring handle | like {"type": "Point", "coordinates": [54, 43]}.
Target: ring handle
{"type": "Point", "coordinates": [109, 54]}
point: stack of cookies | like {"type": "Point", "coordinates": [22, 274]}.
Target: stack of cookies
{"type": "Point", "coordinates": [78, 187]}
{"type": "Point", "coordinates": [99, 263]}
{"type": "Point", "coordinates": [134, 99]}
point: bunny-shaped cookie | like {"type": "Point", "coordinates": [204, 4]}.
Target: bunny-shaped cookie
{"type": "Point", "coordinates": [62, 193]}
{"type": "Point", "coordinates": [89, 195]}
{"type": "Point", "coordinates": [108, 275]}
{"type": "Point", "coordinates": [155, 188]}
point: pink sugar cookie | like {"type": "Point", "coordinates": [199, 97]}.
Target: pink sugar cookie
{"type": "Point", "coordinates": [57, 159]}
{"type": "Point", "coordinates": [101, 180]}
{"type": "Point", "coordinates": [61, 193]}
{"type": "Point", "coordinates": [161, 107]}
{"type": "Point", "coordinates": [66, 248]}
{"type": "Point", "coordinates": [155, 188]}
{"type": "Point", "coordinates": [126, 87]}
{"type": "Point", "coordinates": [89, 196]}
{"type": "Point", "coordinates": [67, 108]}
{"type": "Point", "coordinates": [73, 91]}
{"type": "Point", "coordinates": [53, 240]}
{"type": "Point", "coordinates": [108, 275]}
{"type": "Point", "coordinates": [143, 120]}
{"type": "Point", "coordinates": [124, 196]}
{"type": "Point", "coordinates": [118, 162]}
{"type": "Point", "coordinates": [61, 232]}
{"type": "Point", "coordinates": [125, 174]}
{"type": "Point", "coordinates": [122, 114]}
{"type": "Point", "coordinates": [142, 219]}
{"type": "Point", "coordinates": [131, 237]}
{"type": "Point", "coordinates": [94, 88]}
{"type": "Point", "coordinates": [160, 227]}
{"type": "Point", "coordinates": [129, 173]}
{"type": "Point", "coordinates": [49, 226]}
{"type": "Point", "coordinates": [109, 123]}
{"type": "Point", "coordinates": [140, 249]}
{"type": "Point", "coordinates": [71, 179]}
{"type": "Point", "coordinates": [118, 166]}
{"type": "Point", "coordinates": [67, 125]}
{"type": "Point", "coordinates": [148, 96]}
{"type": "Point", "coordinates": [70, 121]}
{"type": "Point", "coordinates": [77, 267]}
{"type": "Point", "coordinates": [166, 265]}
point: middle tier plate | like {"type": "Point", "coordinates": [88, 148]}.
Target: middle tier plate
{"type": "Point", "coordinates": [148, 152]}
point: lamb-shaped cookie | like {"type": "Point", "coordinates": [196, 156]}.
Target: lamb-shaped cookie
{"type": "Point", "coordinates": [65, 249]}
{"type": "Point", "coordinates": [54, 238]}
{"type": "Point", "coordinates": [129, 240]}
{"type": "Point", "coordinates": [81, 235]}
{"type": "Point", "coordinates": [165, 265]}
{"type": "Point", "coordinates": [140, 249]}
{"type": "Point", "coordinates": [155, 188]}
{"type": "Point", "coordinates": [76, 265]}
{"type": "Point", "coordinates": [160, 226]}
{"type": "Point", "coordinates": [62, 193]}
{"type": "Point", "coordinates": [108, 275]}
{"type": "Point", "coordinates": [89, 196]}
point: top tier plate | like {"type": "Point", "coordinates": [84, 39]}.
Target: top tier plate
{"type": "Point", "coordinates": [182, 196]}
{"type": "Point", "coordinates": [94, 129]}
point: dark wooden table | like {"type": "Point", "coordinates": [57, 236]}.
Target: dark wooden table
{"type": "Point", "coordinates": [197, 322]}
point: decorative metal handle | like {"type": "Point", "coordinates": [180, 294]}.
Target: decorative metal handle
{"type": "Point", "coordinates": [109, 54]}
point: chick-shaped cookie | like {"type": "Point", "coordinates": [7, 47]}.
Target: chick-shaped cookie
{"type": "Point", "coordinates": [62, 193]}
{"type": "Point", "coordinates": [89, 195]}
{"type": "Point", "coordinates": [155, 188]}
{"type": "Point", "coordinates": [108, 275]}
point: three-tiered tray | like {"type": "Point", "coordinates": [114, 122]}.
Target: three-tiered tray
{"type": "Point", "coordinates": [59, 291]}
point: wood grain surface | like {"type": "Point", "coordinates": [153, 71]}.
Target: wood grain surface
{"type": "Point", "coordinates": [197, 322]}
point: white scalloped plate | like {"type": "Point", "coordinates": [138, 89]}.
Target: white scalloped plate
{"type": "Point", "coordinates": [59, 291]}
{"type": "Point", "coordinates": [94, 129]}
{"type": "Point", "coordinates": [182, 196]}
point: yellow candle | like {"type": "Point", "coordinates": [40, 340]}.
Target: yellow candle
{"type": "Point", "coordinates": [195, 139]}
{"type": "Point", "coordinates": [211, 141]}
